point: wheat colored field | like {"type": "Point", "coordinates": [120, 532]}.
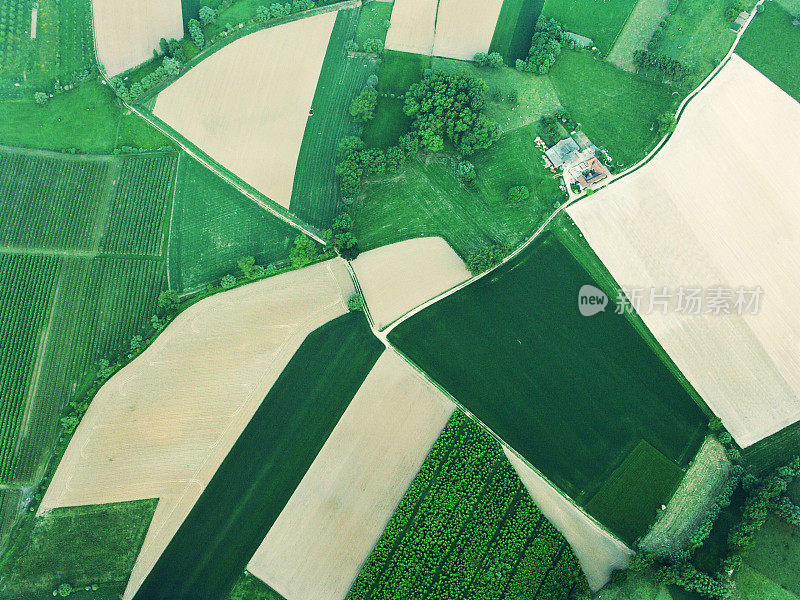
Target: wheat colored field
{"type": "Point", "coordinates": [448, 28]}
{"type": "Point", "coordinates": [464, 28]}
{"type": "Point", "coordinates": [162, 425]}
{"type": "Point", "coordinates": [718, 207]}
{"type": "Point", "coordinates": [247, 105]}
{"type": "Point", "coordinates": [126, 33]}
{"type": "Point", "coordinates": [412, 26]}
{"type": "Point", "coordinates": [598, 552]}
{"type": "Point", "coordinates": [327, 530]}
{"type": "Point", "coordinates": [398, 277]}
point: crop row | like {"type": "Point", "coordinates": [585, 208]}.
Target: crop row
{"type": "Point", "coordinates": [26, 288]}
{"type": "Point", "coordinates": [467, 528]}
{"type": "Point", "coordinates": [50, 202]}
{"type": "Point", "coordinates": [141, 198]}
{"type": "Point", "coordinates": [15, 21]}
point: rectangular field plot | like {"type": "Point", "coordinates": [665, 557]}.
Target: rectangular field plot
{"type": "Point", "coordinates": [465, 27]}
{"type": "Point", "coordinates": [413, 26]}
{"type": "Point", "coordinates": [623, 503]}
{"type": "Point", "coordinates": [772, 45]}
{"type": "Point", "coordinates": [214, 225]}
{"type": "Point", "coordinates": [572, 394]}
{"type": "Point", "coordinates": [315, 195]}
{"type": "Point", "coordinates": [514, 29]}
{"type": "Point", "coordinates": [467, 528]}
{"type": "Point", "coordinates": [733, 147]}
{"type": "Point", "coordinates": [247, 105]}
{"type": "Point", "coordinates": [258, 476]}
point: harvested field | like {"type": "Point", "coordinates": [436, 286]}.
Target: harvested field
{"type": "Point", "coordinates": [327, 530]}
{"type": "Point", "coordinates": [413, 26]}
{"type": "Point", "coordinates": [247, 105]}
{"type": "Point", "coordinates": [162, 425]}
{"type": "Point", "coordinates": [689, 505]}
{"type": "Point", "coordinates": [716, 208]}
{"type": "Point", "coordinates": [464, 28]}
{"type": "Point", "coordinates": [396, 278]}
{"type": "Point", "coordinates": [128, 32]}
{"type": "Point", "coordinates": [597, 550]}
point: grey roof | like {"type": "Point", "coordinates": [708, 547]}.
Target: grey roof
{"type": "Point", "coordinates": [562, 152]}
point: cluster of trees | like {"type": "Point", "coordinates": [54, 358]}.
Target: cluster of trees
{"type": "Point", "coordinates": [357, 162]}
{"type": "Point", "coordinates": [196, 33]}
{"type": "Point", "coordinates": [341, 236]}
{"type": "Point", "coordinates": [450, 106]}
{"type": "Point", "coordinates": [548, 38]}
{"type": "Point", "coordinates": [486, 258]}
{"type": "Point", "coordinates": [493, 60]}
{"type": "Point", "coordinates": [355, 302]}
{"type": "Point", "coordinates": [459, 532]}
{"type": "Point", "coordinates": [279, 10]}
{"type": "Point", "coordinates": [518, 193]}
{"type": "Point", "coordinates": [169, 67]}
{"type": "Point", "coordinates": [733, 9]}
{"type": "Point", "coordinates": [661, 67]}
{"type": "Point", "coordinates": [362, 108]}
{"type": "Point", "coordinates": [466, 173]}
{"type": "Point", "coordinates": [721, 502]}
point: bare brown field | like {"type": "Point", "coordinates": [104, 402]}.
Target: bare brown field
{"type": "Point", "coordinates": [401, 276]}
{"type": "Point", "coordinates": [413, 25]}
{"type": "Point", "coordinates": [317, 546]}
{"type": "Point", "coordinates": [126, 33]}
{"type": "Point", "coordinates": [464, 28]}
{"type": "Point", "coordinates": [717, 207]}
{"type": "Point", "coordinates": [597, 550]}
{"type": "Point", "coordinates": [161, 426]}
{"type": "Point", "coordinates": [247, 105]}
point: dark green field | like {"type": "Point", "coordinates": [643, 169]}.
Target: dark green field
{"type": "Point", "coordinates": [428, 199]}
{"type": "Point", "coordinates": [255, 481]}
{"type": "Point", "coordinates": [775, 554]}
{"type": "Point", "coordinates": [616, 109]}
{"type": "Point", "coordinates": [572, 394]}
{"type": "Point", "coordinates": [81, 546]}
{"type": "Point", "coordinates": [214, 225]}
{"type": "Point", "coordinates": [601, 21]}
{"type": "Point", "coordinates": [315, 195]}
{"type": "Point", "coordinates": [772, 45]}
{"type": "Point", "coordinates": [775, 450]}
{"type": "Point", "coordinates": [249, 587]}
{"type": "Point", "coordinates": [514, 29]}
{"type": "Point", "coordinates": [468, 528]}
{"type": "Point", "coordinates": [623, 503]}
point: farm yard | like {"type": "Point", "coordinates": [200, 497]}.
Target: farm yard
{"type": "Point", "coordinates": [248, 116]}
{"type": "Point", "coordinates": [653, 214]}
{"type": "Point", "coordinates": [449, 339]}
{"type": "Point", "coordinates": [220, 220]}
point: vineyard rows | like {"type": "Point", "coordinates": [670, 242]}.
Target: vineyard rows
{"type": "Point", "coordinates": [50, 202]}
{"type": "Point", "coordinates": [139, 205]}
{"type": "Point", "coordinates": [467, 528]}
{"type": "Point", "coordinates": [26, 289]}
{"type": "Point", "coordinates": [102, 304]}
{"type": "Point", "coordinates": [15, 22]}
{"type": "Point", "coordinates": [75, 40]}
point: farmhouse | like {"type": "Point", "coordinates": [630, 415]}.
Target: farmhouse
{"type": "Point", "coordinates": [580, 165]}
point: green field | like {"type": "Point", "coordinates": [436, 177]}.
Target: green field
{"type": "Point", "coordinates": [214, 225]}
{"type": "Point", "coordinates": [572, 394]}
{"type": "Point", "coordinates": [775, 450]}
{"type": "Point", "coordinates": [249, 587]}
{"type": "Point", "coordinates": [82, 261]}
{"type": "Point", "coordinates": [537, 96]}
{"type": "Point", "coordinates": [616, 109]}
{"type": "Point", "coordinates": [86, 119]}
{"type": "Point", "coordinates": [255, 481]}
{"type": "Point", "coordinates": [698, 36]}
{"type": "Point", "coordinates": [775, 554]}
{"type": "Point", "coordinates": [315, 196]}
{"type": "Point", "coordinates": [644, 20]}
{"type": "Point", "coordinates": [62, 50]}
{"type": "Point", "coordinates": [372, 22]}
{"type": "Point", "coordinates": [82, 545]}
{"type": "Point", "coordinates": [623, 504]}
{"type": "Point", "coordinates": [428, 199]}
{"type": "Point", "coordinates": [514, 30]}
{"type": "Point", "coordinates": [467, 528]}
{"type": "Point", "coordinates": [600, 20]}
{"type": "Point", "coordinates": [772, 45]}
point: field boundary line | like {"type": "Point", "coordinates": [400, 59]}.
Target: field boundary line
{"type": "Point", "coordinates": [171, 218]}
